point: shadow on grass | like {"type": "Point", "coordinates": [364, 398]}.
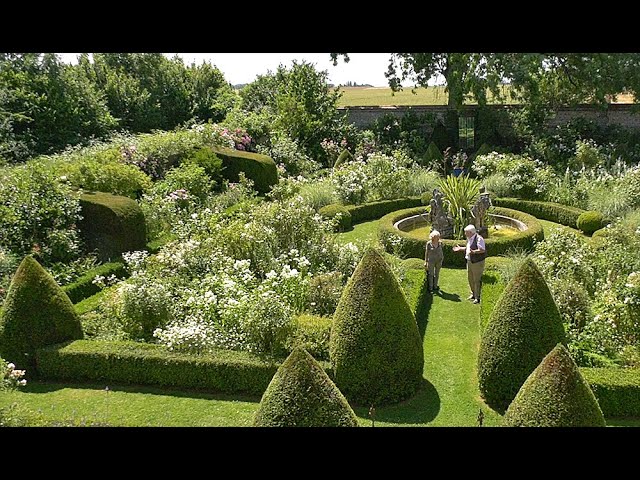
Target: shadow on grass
{"type": "Point", "coordinates": [451, 297]}
{"type": "Point", "coordinates": [47, 387]}
{"type": "Point", "coordinates": [423, 407]}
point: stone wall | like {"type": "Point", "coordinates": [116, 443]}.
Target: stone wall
{"type": "Point", "coordinates": [621, 114]}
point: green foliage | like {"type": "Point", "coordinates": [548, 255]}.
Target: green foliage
{"type": "Point", "coordinates": [114, 177]}
{"type": "Point", "coordinates": [554, 212]}
{"type": "Point", "coordinates": [38, 214]}
{"type": "Point", "coordinates": [375, 349]}
{"type": "Point", "coordinates": [190, 177]}
{"type": "Point", "coordinates": [460, 194]}
{"type": "Point", "coordinates": [84, 286]}
{"type": "Point", "coordinates": [617, 390]}
{"type": "Point", "coordinates": [433, 157]}
{"type": "Point", "coordinates": [288, 154]}
{"type": "Point", "coordinates": [524, 326]}
{"type": "Point", "coordinates": [36, 313]}
{"type": "Point", "coordinates": [373, 210]}
{"type": "Point", "coordinates": [409, 132]}
{"type": "Point", "coordinates": [425, 198]}
{"type": "Point", "coordinates": [134, 363]}
{"type": "Point", "coordinates": [212, 164]}
{"type": "Point", "coordinates": [261, 169]}
{"type": "Point", "coordinates": [345, 156]}
{"type": "Point", "coordinates": [318, 194]}
{"type": "Point", "coordinates": [406, 245]}
{"type": "Point", "coordinates": [302, 395]}
{"type": "Point", "coordinates": [112, 224]}
{"type": "Point", "coordinates": [324, 294]}
{"type": "Point", "coordinates": [340, 213]}
{"type": "Point", "coordinates": [590, 221]}
{"type": "Point", "coordinates": [555, 395]}
{"type": "Point", "coordinates": [312, 332]}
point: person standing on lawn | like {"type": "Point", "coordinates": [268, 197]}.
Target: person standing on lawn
{"type": "Point", "coordinates": [475, 253]}
{"type": "Point", "coordinates": [433, 258]}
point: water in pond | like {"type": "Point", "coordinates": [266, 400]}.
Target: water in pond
{"type": "Point", "coordinates": [421, 230]}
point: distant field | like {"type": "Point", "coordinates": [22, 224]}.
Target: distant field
{"type": "Point", "coordinates": [375, 96]}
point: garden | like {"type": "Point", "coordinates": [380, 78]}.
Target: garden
{"type": "Point", "coordinates": [250, 267]}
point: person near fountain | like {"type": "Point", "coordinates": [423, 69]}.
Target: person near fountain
{"type": "Point", "coordinates": [433, 258]}
{"type": "Point", "coordinates": [475, 253]}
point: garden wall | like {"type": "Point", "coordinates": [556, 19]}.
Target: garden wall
{"type": "Point", "coordinates": [620, 114]}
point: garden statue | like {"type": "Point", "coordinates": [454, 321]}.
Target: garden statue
{"type": "Point", "coordinates": [438, 217]}
{"type": "Point", "coordinates": [479, 212]}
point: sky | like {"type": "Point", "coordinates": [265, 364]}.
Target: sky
{"type": "Point", "coordinates": [238, 68]}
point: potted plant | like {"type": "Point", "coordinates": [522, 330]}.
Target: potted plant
{"type": "Point", "coordinates": [458, 162]}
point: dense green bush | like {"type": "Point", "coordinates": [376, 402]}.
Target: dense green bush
{"type": "Point", "coordinates": [261, 169]}
{"type": "Point", "coordinates": [302, 395]}
{"type": "Point", "coordinates": [115, 177]}
{"type": "Point", "coordinates": [523, 328]}
{"type": "Point", "coordinates": [112, 224]}
{"type": "Point", "coordinates": [206, 158]}
{"type": "Point", "coordinates": [433, 157]}
{"type": "Point", "coordinates": [341, 213]}
{"type": "Point", "coordinates": [375, 348]}
{"type": "Point", "coordinates": [405, 244]}
{"type": "Point", "coordinates": [345, 156]}
{"type": "Point", "coordinates": [121, 362]}
{"type": "Point", "coordinates": [555, 395]}
{"type": "Point", "coordinates": [190, 177]}
{"type": "Point", "coordinates": [553, 212]}
{"type": "Point", "coordinates": [38, 214]}
{"type": "Point", "coordinates": [84, 287]}
{"type": "Point", "coordinates": [312, 333]}
{"type": "Point", "coordinates": [35, 314]}
{"type": "Point", "coordinates": [590, 221]}
{"type": "Point", "coordinates": [617, 390]}
{"type": "Point", "coordinates": [374, 210]}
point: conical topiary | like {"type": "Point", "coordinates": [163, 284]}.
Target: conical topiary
{"type": "Point", "coordinates": [37, 312]}
{"type": "Point", "coordinates": [555, 395]}
{"type": "Point", "coordinates": [523, 327]}
{"type": "Point", "coordinates": [301, 394]}
{"type": "Point", "coordinates": [433, 156]}
{"type": "Point", "coordinates": [345, 156]}
{"type": "Point", "coordinates": [375, 347]}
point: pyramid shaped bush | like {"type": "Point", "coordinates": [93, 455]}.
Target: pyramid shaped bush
{"type": "Point", "coordinates": [523, 328]}
{"type": "Point", "coordinates": [555, 395]}
{"type": "Point", "coordinates": [301, 394]}
{"type": "Point", "coordinates": [375, 347]}
{"type": "Point", "coordinates": [37, 312]}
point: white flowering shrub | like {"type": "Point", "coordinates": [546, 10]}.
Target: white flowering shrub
{"type": "Point", "coordinates": [10, 377]}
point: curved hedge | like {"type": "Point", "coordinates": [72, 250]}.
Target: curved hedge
{"type": "Point", "coordinates": [112, 224]}
{"type": "Point", "coordinates": [301, 394]}
{"type": "Point", "coordinates": [257, 167]}
{"type": "Point", "coordinates": [36, 313]}
{"type": "Point", "coordinates": [334, 209]}
{"type": "Point", "coordinates": [410, 246]}
{"type": "Point", "coordinates": [375, 346]}
{"type": "Point", "coordinates": [555, 395]}
{"type": "Point", "coordinates": [523, 328]}
{"type": "Point", "coordinates": [84, 287]}
{"type": "Point", "coordinates": [590, 221]}
{"type": "Point", "coordinates": [617, 390]}
{"type": "Point", "coordinates": [553, 212]}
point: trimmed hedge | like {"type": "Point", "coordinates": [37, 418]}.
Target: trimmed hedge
{"type": "Point", "coordinates": [112, 224]}
{"type": "Point", "coordinates": [137, 363]}
{"type": "Point", "coordinates": [257, 167]}
{"type": "Point", "coordinates": [375, 346]}
{"type": "Point", "coordinates": [334, 209]}
{"type": "Point", "coordinates": [555, 395]}
{"type": "Point", "coordinates": [553, 212]}
{"type": "Point", "coordinates": [411, 246]}
{"type": "Point", "coordinates": [312, 332]}
{"type": "Point", "coordinates": [375, 210]}
{"type": "Point", "coordinates": [302, 395]}
{"type": "Point", "coordinates": [36, 313]}
{"type": "Point", "coordinates": [523, 328]}
{"type": "Point", "coordinates": [590, 221]}
{"type": "Point", "coordinates": [617, 390]}
{"type": "Point", "coordinates": [83, 287]}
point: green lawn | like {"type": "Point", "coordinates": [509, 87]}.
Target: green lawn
{"type": "Point", "coordinates": [365, 231]}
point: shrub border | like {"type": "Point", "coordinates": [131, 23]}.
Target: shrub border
{"type": "Point", "coordinates": [409, 246]}
{"type": "Point", "coordinates": [134, 363]}
{"type": "Point", "coordinates": [83, 288]}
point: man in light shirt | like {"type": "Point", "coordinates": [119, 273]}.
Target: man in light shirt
{"type": "Point", "coordinates": [475, 253]}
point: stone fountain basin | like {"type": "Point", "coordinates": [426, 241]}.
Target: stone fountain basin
{"type": "Point", "coordinates": [408, 223]}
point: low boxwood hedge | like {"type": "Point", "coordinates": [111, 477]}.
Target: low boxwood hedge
{"type": "Point", "coordinates": [553, 212]}
{"type": "Point", "coordinates": [84, 288]}
{"type": "Point", "coordinates": [375, 210]}
{"type": "Point", "coordinates": [122, 362]}
{"type": "Point", "coordinates": [337, 210]}
{"type": "Point", "coordinates": [407, 245]}
{"type": "Point", "coordinates": [617, 390]}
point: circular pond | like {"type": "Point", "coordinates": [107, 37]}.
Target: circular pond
{"type": "Point", "coordinates": [500, 226]}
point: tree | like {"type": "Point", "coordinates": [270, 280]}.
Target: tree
{"type": "Point", "coordinates": [548, 78]}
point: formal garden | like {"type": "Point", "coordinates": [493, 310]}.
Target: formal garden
{"type": "Point", "coordinates": [262, 263]}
